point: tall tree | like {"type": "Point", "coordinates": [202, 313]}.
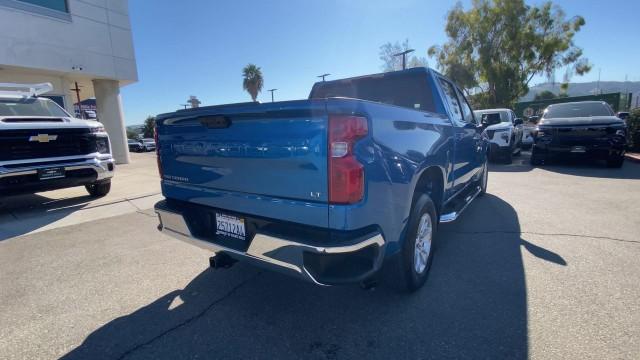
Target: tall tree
{"type": "Point", "coordinates": [252, 80]}
{"type": "Point", "coordinates": [149, 127]}
{"type": "Point", "coordinates": [498, 46]}
{"type": "Point", "coordinates": [393, 63]}
{"type": "Point", "coordinates": [132, 135]}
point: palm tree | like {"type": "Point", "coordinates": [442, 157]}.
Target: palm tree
{"type": "Point", "coordinates": [252, 82]}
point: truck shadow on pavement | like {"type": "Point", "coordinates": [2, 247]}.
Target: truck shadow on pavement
{"type": "Point", "coordinates": [570, 166]}
{"type": "Point", "coordinates": [474, 305]}
{"type": "Point", "coordinates": [21, 214]}
{"type": "Point", "coordinates": [592, 168]}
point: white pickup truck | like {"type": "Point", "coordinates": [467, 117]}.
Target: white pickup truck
{"type": "Point", "coordinates": [43, 148]}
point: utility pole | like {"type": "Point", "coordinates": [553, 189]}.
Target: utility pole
{"type": "Point", "coordinates": [272, 90]}
{"type": "Point", "coordinates": [626, 93]}
{"type": "Point", "coordinates": [599, 91]}
{"type": "Point", "coordinates": [404, 57]}
{"type": "Point", "coordinates": [76, 89]}
{"type": "Point", "coordinates": [323, 76]}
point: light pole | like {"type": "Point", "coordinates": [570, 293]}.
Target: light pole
{"type": "Point", "coordinates": [272, 90]}
{"type": "Point", "coordinates": [323, 76]}
{"type": "Point", "coordinates": [76, 89]}
{"type": "Point", "coordinates": [404, 57]}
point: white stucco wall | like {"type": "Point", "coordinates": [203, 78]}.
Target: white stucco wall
{"type": "Point", "coordinates": [97, 38]}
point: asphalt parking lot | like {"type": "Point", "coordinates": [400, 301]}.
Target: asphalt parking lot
{"type": "Point", "coordinates": [544, 266]}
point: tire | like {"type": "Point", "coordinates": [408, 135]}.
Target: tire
{"type": "Point", "coordinates": [615, 161]}
{"type": "Point", "coordinates": [536, 158]}
{"type": "Point", "coordinates": [98, 189]}
{"type": "Point", "coordinates": [484, 180]}
{"type": "Point", "coordinates": [508, 156]}
{"type": "Point", "coordinates": [519, 149]}
{"type": "Point", "coordinates": [410, 269]}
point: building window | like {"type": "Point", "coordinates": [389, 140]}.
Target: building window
{"type": "Point", "coordinates": [59, 5]}
{"type": "Point", "coordinates": [52, 8]}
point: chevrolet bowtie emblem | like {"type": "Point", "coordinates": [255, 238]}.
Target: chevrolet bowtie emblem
{"type": "Point", "coordinates": [43, 138]}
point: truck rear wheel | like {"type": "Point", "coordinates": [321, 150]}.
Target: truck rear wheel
{"type": "Point", "coordinates": [536, 158]}
{"type": "Point", "coordinates": [99, 189]}
{"type": "Point", "coordinates": [414, 260]}
{"type": "Point", "coordinates": [615, 161]}
{"type": "Point", "coordinates": [508, 156]}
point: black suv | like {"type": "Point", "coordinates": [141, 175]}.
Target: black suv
{"type": "Point", "coordinates": [585, 128]}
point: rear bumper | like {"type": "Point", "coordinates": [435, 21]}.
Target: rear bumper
{"type": "Point", "coordinates": [18, 178]}
{"type": "Point", "coordinates": [347, 262]}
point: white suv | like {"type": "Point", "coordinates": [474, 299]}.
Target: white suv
{"type": "Point", "coordinates": [504, 131]}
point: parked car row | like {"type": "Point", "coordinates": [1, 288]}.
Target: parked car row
{"type": "Point", "coordinates": [143, 145]}
{"type": "Point", "coordinates": [327, 189]}
{"type": "Point", "coordinates": [578, 129]}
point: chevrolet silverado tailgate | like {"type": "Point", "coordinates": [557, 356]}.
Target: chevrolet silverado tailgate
{"type": "Point", "coordinates": [257, 154]}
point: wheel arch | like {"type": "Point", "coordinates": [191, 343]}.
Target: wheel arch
{"type": "Point", "coordinates": [430, 181]}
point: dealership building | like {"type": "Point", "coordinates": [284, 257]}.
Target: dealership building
{"type": "Point", "coordinates": [72, 42]}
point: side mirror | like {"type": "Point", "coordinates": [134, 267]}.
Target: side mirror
{"type": "Point", "coordinates": [517, 121]}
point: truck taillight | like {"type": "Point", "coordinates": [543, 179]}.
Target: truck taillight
{"type": "Point", "coordinates": [156, 138]}
{"type": "Point", "coordinates": [346, 174]}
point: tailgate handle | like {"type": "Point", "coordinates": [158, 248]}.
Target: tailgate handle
{"type": "Point", "coordinates": [215, 121]}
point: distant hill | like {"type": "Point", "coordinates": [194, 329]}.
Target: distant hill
{"type": "Point", "coordinates": [586, 88]}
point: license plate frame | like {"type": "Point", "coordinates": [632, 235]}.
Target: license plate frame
{"type": "Point", "coordinates": [51, 173]}
{"type": "Point", "coordinates": [230, 226]}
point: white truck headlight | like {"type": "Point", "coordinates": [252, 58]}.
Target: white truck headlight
{"type": "Point", "coordinates": [102, 144]}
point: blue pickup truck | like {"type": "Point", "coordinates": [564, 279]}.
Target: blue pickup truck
{"type": "Point", "coordinates": [330, 188]}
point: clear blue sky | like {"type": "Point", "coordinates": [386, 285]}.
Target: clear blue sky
{"type": "Point", "coordinates": [199, 47]}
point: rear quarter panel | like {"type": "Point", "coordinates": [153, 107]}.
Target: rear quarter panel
{"type": "Point", "coordinates": [401, 144]}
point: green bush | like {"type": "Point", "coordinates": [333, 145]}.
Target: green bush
{"type": "Point", "coordinates": [633, 123]}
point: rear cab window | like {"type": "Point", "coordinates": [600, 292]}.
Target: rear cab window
{"type": "Point", "coordinates": [409, 90]}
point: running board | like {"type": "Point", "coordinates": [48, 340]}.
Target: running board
{"type": "Point", "coordinates": [452, 216]}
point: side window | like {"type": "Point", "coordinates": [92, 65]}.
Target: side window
{"type": "Point", "coordinates": [467, 114]}
{"type": "Point", "coordinates": [451, 99]}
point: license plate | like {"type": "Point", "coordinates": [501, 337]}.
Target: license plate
{"type": "Point", "coordinates": [578, 149]}
{"type": "Point", "coordinates": [51, 173]}
{"type": "Point", "coordinates": [231, 226]}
